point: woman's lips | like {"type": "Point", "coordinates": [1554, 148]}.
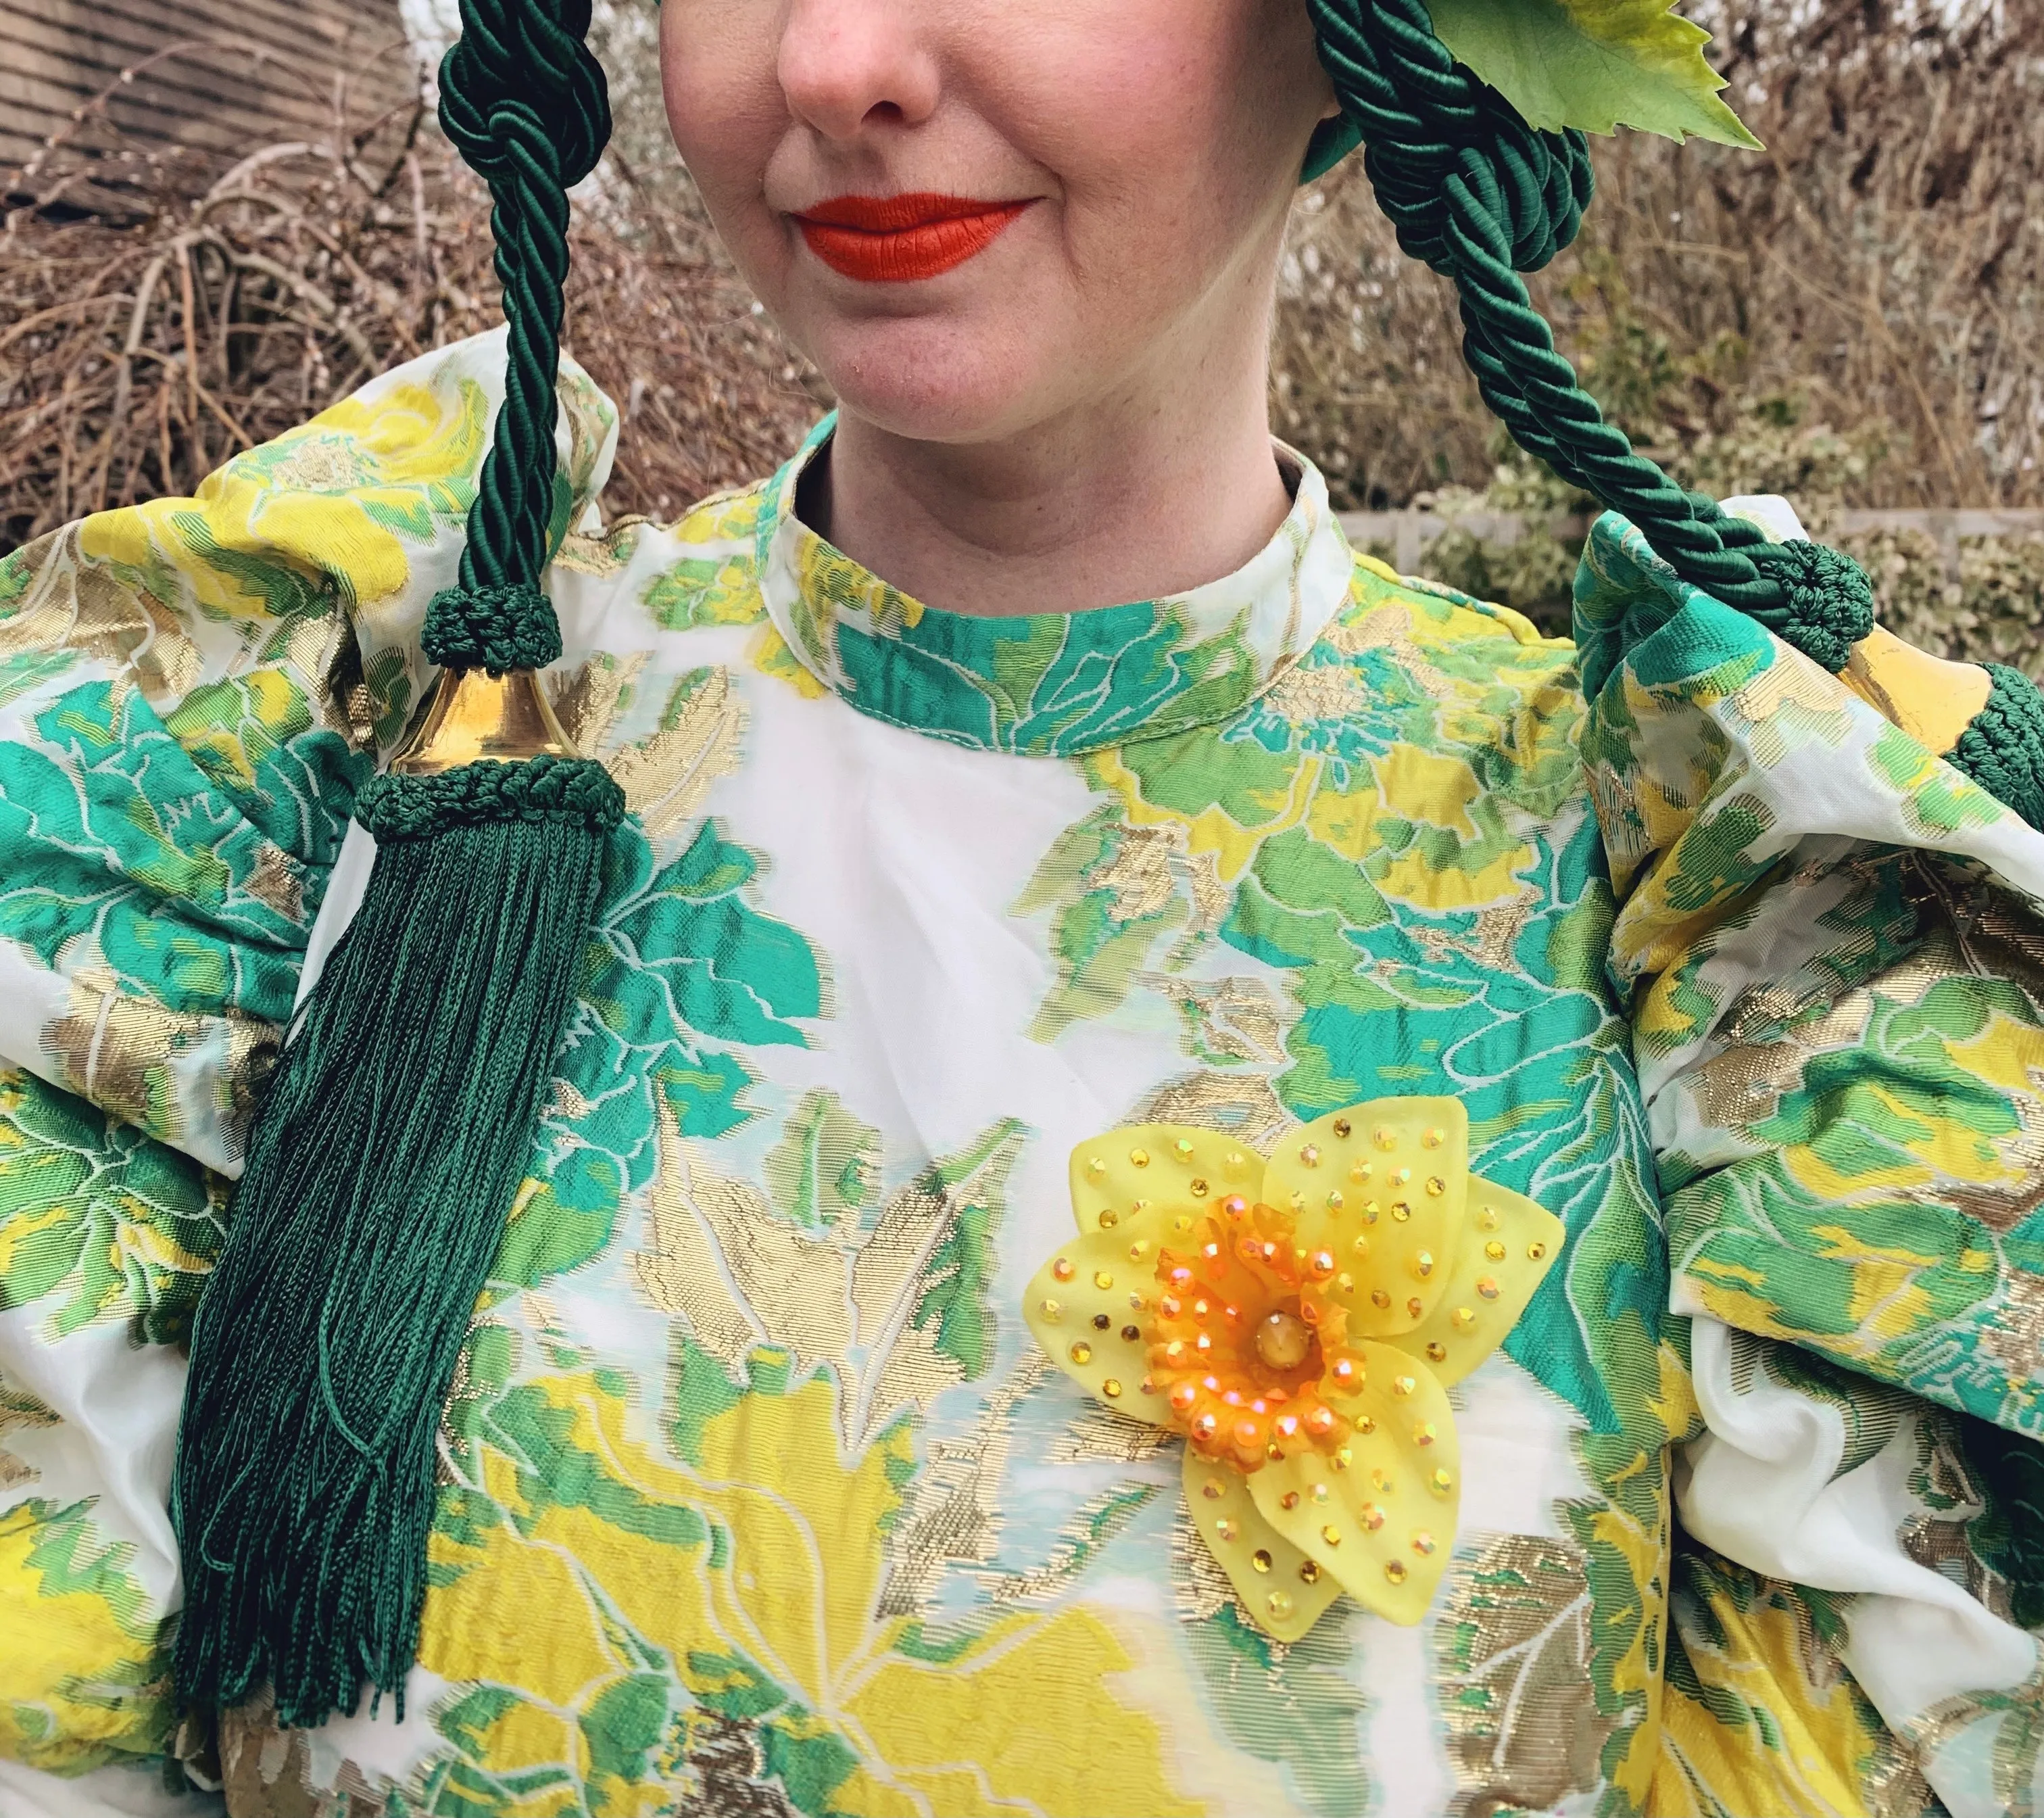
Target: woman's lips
{"type": "Point", "coordinates": [898, 239]}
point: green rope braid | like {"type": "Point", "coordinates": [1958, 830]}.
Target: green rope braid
{"type": "Point", "coordinates": [525, 105]}
{"type": "Point", "coordinates": [2003, 749]}
{"type": "Point", "coordinates": [1480, 197]}
{"type": "Point", "coordinates": [399, 1124]}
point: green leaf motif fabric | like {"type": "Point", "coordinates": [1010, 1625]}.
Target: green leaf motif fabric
{"type": "Point", "coordinates": [758, 1496]}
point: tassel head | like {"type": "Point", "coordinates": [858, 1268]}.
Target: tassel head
{"type": "Point", "coordinates": [474, 716]}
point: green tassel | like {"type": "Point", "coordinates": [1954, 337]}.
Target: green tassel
{"type": "Point", "coordinates": [400, 1121]}
{"type": "Point", "coordinates": [395, 1137]}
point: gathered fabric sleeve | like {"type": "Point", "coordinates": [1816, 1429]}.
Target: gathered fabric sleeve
{"type": "Point", "coordinates": [191, 692]}
{"type": "Point", "coordinates": [1829, 944]}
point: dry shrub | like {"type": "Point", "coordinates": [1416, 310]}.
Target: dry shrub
{"type": "Point", "coordinates": [135, 356]}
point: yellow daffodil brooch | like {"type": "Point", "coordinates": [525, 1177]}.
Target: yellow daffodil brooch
{"type": "Point", "coordinates": [1298, 1319]}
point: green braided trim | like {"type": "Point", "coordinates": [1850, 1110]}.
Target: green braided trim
{"type": "Point", "coordinates": [394, 807]}
{"type": "Point", "coordinates": [2002, 750]}
{"type": "Point", "coordinates": [497, 629]}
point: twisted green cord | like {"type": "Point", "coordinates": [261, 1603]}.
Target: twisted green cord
{"type": "Point", "coordinates": [1480, 196]}
{"type": "Point", "coordinates": [525, 104]}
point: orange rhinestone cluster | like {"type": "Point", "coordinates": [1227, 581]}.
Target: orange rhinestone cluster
{"type": "Point", "coordinates": [1224, 1338]}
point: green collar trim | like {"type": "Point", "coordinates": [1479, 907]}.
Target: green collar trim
{"type": "Point", "coordinates": [1051, 684]}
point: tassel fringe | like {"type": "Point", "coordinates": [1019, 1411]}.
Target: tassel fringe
{"type": "Point", "coordinates": [384, 1166]}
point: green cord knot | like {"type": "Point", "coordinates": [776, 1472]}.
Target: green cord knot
{"type": "Point", "coordinates": [1827, 601]}
{"type": "Point", "coordinates": [394, 807]}
{"type": "Point", "coordinates": [521, 95]}
{"type": "Point", "coordinates": [497, 629]}
{"type": "Point", "coordinates": [2003, 749]}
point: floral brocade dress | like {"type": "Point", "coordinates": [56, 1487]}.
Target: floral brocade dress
{"type": "Point", "coordinates": [952, 979]}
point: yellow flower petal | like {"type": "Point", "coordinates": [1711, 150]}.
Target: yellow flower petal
{"type": "Point", "coordinates": [1147, 1166]}
{"type": "Point", "coordinates": [1089, 1307]}
{"type": "Point", "coordinates": [1382, 1523]}
{"type": "Point", "coordinates": [1284, 1592]}
{"type": "Point", "coordinates": [1383, 1187]}
{"type": "Point", "coordinates": [1509, 1245]}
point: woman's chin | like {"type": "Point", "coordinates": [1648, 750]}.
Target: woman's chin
{"type": "Point", "coordinates": [936, 378]}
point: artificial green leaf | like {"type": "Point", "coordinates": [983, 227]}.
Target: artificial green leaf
{"type": "Point", "coordinates": [1596, 64]}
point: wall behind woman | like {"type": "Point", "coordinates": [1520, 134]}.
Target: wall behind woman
{"type": "Point", "coordinates": [121, 82]}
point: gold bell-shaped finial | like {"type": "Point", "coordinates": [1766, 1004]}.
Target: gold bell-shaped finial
{"type": "Point", "coordinates": [472, 714]}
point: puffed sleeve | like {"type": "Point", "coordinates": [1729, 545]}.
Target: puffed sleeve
{"type": "Point", "coordinates": [191, 692]}
{"type": "Point", "coordinates": [1830, 945]}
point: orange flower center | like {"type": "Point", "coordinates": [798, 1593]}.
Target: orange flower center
{"type": "Point", "coordinates": [1245, 1344]}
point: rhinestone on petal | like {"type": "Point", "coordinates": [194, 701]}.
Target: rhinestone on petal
{"type": "Point", "coordinates": [1097, 1165]}
{"type": "Point", "coordinates": [1227, 1527]}
{"type": "Point", "coordinates": [1309, 1572]}
{"type": "Point", "coordinates": [1111, 1389]}
{"type": "Point", "coordinates": [1102, 1280]}
{"type": "Point", "coordinates": [1495, 1250]}
{"type": "Point", "coordinates": [1487, 1287]}
{"type": "Point", "coordinates": [1213, 1489]}
{"type": "Point", "coordinates": [1053, 1311]}
{"type": "Point", "coordinates": [1422, 1543]}
{"type": "Point", "coordinates": [1062, 1269]}
{"type": "Point", "coordinates": [1394, 1569]}
{"type": "Point", "coordinates": [1139, 1158]}
{"type": "Point", "coordinates": [1535, 1251]}
{"type": "Point", "coordinates": [1279, 1603]}
{"type": "Point", "coordinates": [1183, 1148]}
{"type": "Point", "coordinates": [1260, 1559]}
{"type": "Point", "coordinates": [1082, 1352]}
{"type": "Point", "coordinates": [1330, 1535]}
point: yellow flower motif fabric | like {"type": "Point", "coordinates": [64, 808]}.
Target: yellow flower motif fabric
{"type": "Point", "coordinates": [761, 1497]}
{"type": "Point", "coordinates": [1298, 1321]}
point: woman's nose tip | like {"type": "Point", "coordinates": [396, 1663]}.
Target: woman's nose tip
{"type": "Point", "coordinates": [849, 65]}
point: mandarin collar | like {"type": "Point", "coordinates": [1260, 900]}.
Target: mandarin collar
{"type": "Point", "coordinates": [1052, 684]}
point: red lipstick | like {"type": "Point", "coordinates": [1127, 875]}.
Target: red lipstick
{"type": "Point", "coordinates": [898, 239]}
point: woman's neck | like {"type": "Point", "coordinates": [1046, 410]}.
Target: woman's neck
{"type": "Point", "coordinates": [1160, 490]}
